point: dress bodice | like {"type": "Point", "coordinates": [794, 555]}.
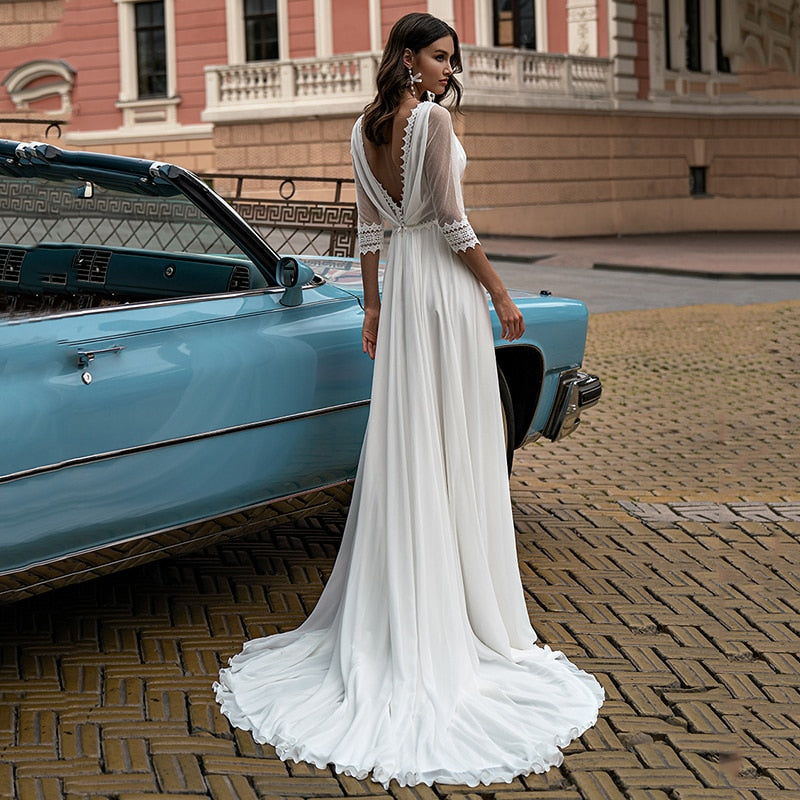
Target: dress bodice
{"type": "Point", "coordinates": [432, 165]}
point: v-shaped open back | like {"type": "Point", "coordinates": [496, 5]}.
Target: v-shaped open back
{"type": "Point", "coordinates": [372, 153]}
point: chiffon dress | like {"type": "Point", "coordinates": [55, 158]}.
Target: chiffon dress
{"type": "Point", "coordinates": [418, 663]}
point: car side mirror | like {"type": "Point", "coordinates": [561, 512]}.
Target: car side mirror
{"type": "Point", "coordinates": [292, 275]}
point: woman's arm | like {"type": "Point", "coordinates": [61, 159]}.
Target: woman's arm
{"type": "Point", "coordinates": [372, 302]}
{"type": "Point", "coordinates": [445, 185]}
{"type": "Point", "coordinates": [511, 320]}
{"type": "Point", "coordinates": [370, 239]}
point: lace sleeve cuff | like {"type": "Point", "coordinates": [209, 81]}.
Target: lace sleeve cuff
{"type": "Point", "coordinates": [370, 237]}
{"type": "Point", "coordinates": [459, 235]}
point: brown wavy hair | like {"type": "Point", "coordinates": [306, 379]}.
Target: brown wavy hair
{"type": "Point", "coordinates": [415, 32]}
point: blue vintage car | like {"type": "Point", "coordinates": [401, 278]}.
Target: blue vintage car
{"type": "Point", "coordinates": [166, 378]}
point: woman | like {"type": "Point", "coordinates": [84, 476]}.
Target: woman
{"type": "Point", "coordinates": [418, 662]}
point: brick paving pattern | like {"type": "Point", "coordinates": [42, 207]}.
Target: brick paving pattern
{"type": "Point", "coordinates": [659, 548]}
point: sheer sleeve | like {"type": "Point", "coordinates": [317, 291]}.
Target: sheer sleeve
{"type": "Point", "coordinates": [443, 174]}
{"type": "Point", "coordinates": [370, 222]}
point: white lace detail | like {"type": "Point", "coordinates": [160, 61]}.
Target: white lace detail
{"type": "Point", "coordinates": [459, 235]}
{"type": "Point", "coordinates": [390, 201]}
{"type": "Point", "coordinates": [370, 237]}
{"type": "Point", "coordinates": [403, 151]}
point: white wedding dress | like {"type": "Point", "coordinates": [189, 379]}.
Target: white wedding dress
{"type": "Point", "coordinates": [418, 662]}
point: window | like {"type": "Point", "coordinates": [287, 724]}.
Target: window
{"type": "Point", "coordinates": [148, 91]}
{"type": "Point", "coordinates": [723, 62]}
{"type": "Point", "coordinates": [515, 23]}
{"type": "Point", "coordinates": [261, 29]}
{"type": "Point", "coordinates": [697, 181]}
{"type": "Point", "coordinates": [151, 50]}
{"type": "Point", "coordinates": [693, 45]}
{"type": "Point", "coordinates": [694, 61]}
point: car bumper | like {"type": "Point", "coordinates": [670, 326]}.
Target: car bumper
{"type": "Point", "coordinates": [576, 392]}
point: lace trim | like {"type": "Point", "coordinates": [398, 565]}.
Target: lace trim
{"type": "Point", "coordinates": [370, 237]}
{"type": "Point", "coordinates": [409, 129]}
{"type": "Point", "coordinates": [390, 201]}
{"type": "Point", "coordinates": [459, 235]}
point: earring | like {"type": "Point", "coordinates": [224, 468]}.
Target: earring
{"type": "Point", "coordinates": [412, 79]}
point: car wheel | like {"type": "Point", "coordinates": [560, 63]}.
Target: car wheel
{"type": "Point", "coordinates": [507, 408]}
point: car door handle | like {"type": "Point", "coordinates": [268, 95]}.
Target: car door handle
{"type": "Point", "coordinates": [85, 357]}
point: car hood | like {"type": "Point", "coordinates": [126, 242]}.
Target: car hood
{"type": "Point", "coordinates": [345, 273]}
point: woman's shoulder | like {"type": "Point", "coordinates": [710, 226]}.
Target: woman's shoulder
{"type": "Point", "coordinates": [356, 133]}
{"type": "Point", "coordinates": [439, 118]}
{"type": "Point", "coordinates": [438, 111]}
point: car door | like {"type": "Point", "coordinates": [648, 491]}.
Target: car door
{"type": "Point", "coordinates": [141, 418]}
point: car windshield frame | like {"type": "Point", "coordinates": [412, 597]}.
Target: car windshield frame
{"type": "Point", "coordinates": [204, 223]}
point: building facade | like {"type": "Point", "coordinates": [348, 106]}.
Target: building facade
{"type": "Point", "coordinates": [581, 117]}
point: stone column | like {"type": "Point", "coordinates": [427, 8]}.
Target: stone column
{"type": "Point", "coordinates": [657, 38]}
{"type": "Point", "coordinates": [323, 28]}
{"type": "Point", "coordinates": [375, 43]}
{"type": "Point", "coordinates": [442, 9]}
{"type": "Point", "coordinates": [623, 48]}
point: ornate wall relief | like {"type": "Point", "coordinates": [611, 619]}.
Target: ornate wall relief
{"type": "Point", "coordinates": [582, 27]}
{"type": "Point", "coordinates": [40, 80]}
{"type": "Point", "coordinates": [769, 33]}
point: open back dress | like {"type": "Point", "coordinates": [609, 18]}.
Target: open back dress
{"type": "Point", "coordinates": [418, 663]}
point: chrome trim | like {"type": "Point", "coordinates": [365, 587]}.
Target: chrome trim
{"type": "Point", "coordinates": [80, 312]}
{"type": "Point", "coordinates": [569, 401]}
{"type": "Point", "coordinates": [85, 357]}
{"type": "Point", "coordinates": [203, 520]}
{"type": "Point", "coordinates": [71, 568]}
{"type": "Point", "coordinates": [194, 437]}
{"type": "Point", "coordinates": [531, 437]}
{"type": "Point", "coordinates": [155, 168]}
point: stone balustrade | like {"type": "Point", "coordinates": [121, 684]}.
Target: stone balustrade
{"type": "Point", "coordinates": [492, 76]}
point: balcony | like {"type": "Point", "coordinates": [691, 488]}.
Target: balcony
{"type": "Point", "coordinates": [492, 77]}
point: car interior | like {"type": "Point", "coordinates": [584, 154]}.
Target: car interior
{"type": "Point", "coordinates": [69, 243]}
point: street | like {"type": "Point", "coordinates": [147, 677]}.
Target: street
{"type": "Point", "coordinates": [659, 549]}
{"type": "Point", "coordinates": [625, 290]}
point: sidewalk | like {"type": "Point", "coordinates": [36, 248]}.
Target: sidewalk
{"type": "Point", "coordinates": [717, 255]}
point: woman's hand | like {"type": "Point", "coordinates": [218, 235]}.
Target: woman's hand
{"type": "Point", "coordinates": [512, 322]}
{"type": "Point", "coordinates": [369, 332]}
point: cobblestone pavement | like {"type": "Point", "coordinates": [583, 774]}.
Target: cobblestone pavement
{"type": "Point", "coordinates": [659, 548]}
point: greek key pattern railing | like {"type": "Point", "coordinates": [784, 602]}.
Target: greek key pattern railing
{"type": "Point", "coordinates": [513, 75]}
{"type": "Point", "coordinates": [31, 213]}
{"type": "Point", "coordinates": [304, 224]}
{"type": "Point", "coordinates": [300, 227]}
{"type": "Point", "coordinates": [301, 215]}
